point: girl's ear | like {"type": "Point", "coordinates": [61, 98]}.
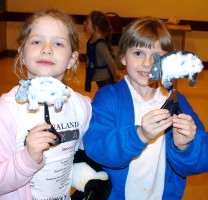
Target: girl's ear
{"type": "Point", "coordinates": [123, 61]}
{"type": "Point", "coordinates": [19, 50]}
{"type": "Point", "coordinates": [73, 59]}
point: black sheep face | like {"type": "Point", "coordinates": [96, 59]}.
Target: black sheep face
{"type": "Point", "coordinates": [156, 70]}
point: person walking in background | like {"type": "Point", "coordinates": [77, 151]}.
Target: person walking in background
{"type": "Point", "coordinates": [30, 167]}
{"type": "Point", "coordinates": [146, 151]}
{"type": "Point", "coordinates": [100, 63]}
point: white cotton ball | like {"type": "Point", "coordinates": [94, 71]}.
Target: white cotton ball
{"type": "Point", "coordinates": [47, 90]}
{"type": "Point", "coordinates": [178, 65]}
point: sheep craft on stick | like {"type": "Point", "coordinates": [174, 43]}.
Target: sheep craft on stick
{"type": "Point", "coordinates": [172, 66]}
{"type": "Point", "coordinates": [39, 90]}
{"type": "Point", "coordinates": [176, 65]}
{"type": "Point", "coordinates": [43, 90]}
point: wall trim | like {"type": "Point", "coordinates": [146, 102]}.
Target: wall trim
{"type": "Point", "coordinates": [2, 17]}
{"type": "Point", "coordinates": [8, 53]}
{"type": "Point", "coordinates": [21, 16]}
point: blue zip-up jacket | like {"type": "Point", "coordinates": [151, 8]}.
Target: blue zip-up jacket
{"type": "Point", "coordinates": [112, 141]}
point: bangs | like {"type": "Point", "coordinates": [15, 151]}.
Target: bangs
{"type": "Point", "coordinates": [148, 35]}
{"type": "Point", "coordinates": [145, 33]}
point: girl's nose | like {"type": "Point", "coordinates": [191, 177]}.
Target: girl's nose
{"type": "Point", "coordinates": [46, 49]}
{"type": "Point", "coordinates": [148, 62]}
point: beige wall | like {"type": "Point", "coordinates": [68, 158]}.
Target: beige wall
{"type": "Point", "coordinates": [196, 41]}
{"type": "Point", "coordinates": [184, 9]}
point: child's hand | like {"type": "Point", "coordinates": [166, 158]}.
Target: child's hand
{"type": "Point", "coordinates": [184, 130]}
{"type": "Point", "coordinates": [153, 123]}
{"type": "Point", "coordinates": [38, 141]}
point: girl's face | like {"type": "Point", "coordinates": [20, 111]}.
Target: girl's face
{"type": "Point", "coordinates": [138, 62]}
{"type": "Point", "coordinates": [47, 51]}
{"type": "Point", "coordinates": [88, 27]}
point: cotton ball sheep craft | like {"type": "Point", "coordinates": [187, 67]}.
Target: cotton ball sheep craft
{"type": "Point", "coordinates": [176, 65]}
{"type": "Point", "coordinates": [42, 90]}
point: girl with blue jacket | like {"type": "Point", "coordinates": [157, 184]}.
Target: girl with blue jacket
{"type": "Point", "coordinates": [147, 151]}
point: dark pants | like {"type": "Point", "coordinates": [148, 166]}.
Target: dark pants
{"type": "Point", "coordinates": [89, 75]}
{"type": "Point", "coordinates": [104, 82]}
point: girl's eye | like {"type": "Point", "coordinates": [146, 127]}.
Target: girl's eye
{"type": "Point", "coordinates": [137, 53]}
{"type": "Point", "coordinates": [36, 42]}
{"type": "Point", "coordinates": [58, 44]}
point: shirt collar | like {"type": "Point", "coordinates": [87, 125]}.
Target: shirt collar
{"type": "Point", "coordinates": [160, 95]}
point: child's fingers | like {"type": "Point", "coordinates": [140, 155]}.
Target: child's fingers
{"type": "Point", "coordinates": [184, 122]}
{"type": "Point", "coordinates": [185, 132]}
{"type": "Point", "coordinates": [185, 117]}
{"type": "Point", "coordinates": [163, 124]}
{"type": "Point", "coordinates": [41, 136]}
{"type": "Point", "coordinates": [156, 116]}
{"type": "Point", "coordinates": [183, 126]}
{"type": "Point", "coordinates": [40, 128]}
{"type": "Point", "coordinates": [38, 142]}
{"type": "Point", "coordinates": [155, 122]}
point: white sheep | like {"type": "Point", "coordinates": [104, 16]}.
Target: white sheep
{"type": "Point", "coordinates": [176, 65]}
{"type": "Point", "coordinates": [42, 90]}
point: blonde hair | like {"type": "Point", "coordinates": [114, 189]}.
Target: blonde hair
{"type": "Point", "coordinates": [145, 32]}
{"type": "Point", "coordinates": [67, 20]}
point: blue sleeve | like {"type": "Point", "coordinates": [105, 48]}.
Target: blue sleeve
{"type": "Point", "coordinates": [193, 159]}
{"type": "Point", "coordinates": [110, 139]}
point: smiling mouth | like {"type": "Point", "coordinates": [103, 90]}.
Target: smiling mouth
{"type": "Point", "coordinates": [142, 73]}
{"type": "Point", "coordinates": [45, 62]}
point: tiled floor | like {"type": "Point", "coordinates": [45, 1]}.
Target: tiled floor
{"type": "Point", "coordinates": [197, 186]}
